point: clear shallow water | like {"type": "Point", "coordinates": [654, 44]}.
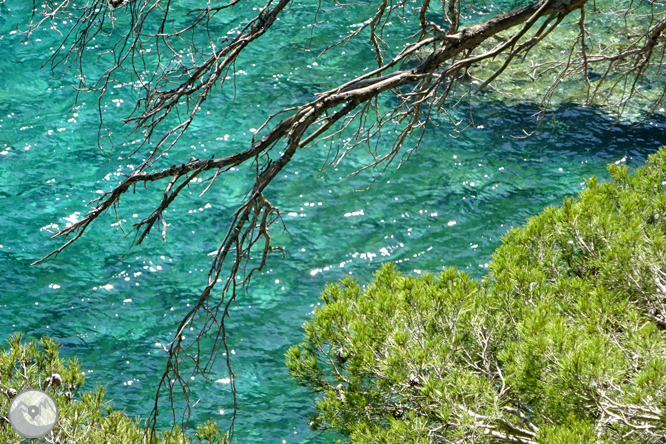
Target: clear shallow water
{"type": "Point", "coordinates": [447, 206]}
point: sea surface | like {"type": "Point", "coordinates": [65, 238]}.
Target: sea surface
{"type": "Point", "coordinates": [113, 306]}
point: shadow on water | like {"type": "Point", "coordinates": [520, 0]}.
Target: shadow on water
{"type": "Point", "coordinates": [447, 206]}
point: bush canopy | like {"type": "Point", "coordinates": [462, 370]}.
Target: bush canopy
{"type": "Point", "coordinates": [83, 416]}
{"type": "Point", "coordinates": [562, 342]}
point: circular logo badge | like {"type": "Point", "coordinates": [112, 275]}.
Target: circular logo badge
{"type": "Point", "coordinates": [33, 413]}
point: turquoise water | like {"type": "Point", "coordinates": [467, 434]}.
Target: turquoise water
{"type": "Point", "coordinates": [111, 305]}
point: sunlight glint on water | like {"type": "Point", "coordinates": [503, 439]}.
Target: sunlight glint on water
{"type": "Point", "coordinates": [447, 206]}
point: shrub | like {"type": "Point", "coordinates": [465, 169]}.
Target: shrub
{"type": "Point", "coordinates": [563, 342]}
{"type": "Point", "coordinates": [83, 417]}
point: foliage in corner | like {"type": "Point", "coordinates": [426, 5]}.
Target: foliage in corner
{"type": "Point", "coordinates": [563, 342]}
{"type": "Point", "coordinates": [83, 417]}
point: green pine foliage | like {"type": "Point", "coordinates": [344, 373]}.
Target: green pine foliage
{"type": "Point", "coordinates": [83, 416]}
{"type": "Point", "coordinates": [563, 342]}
